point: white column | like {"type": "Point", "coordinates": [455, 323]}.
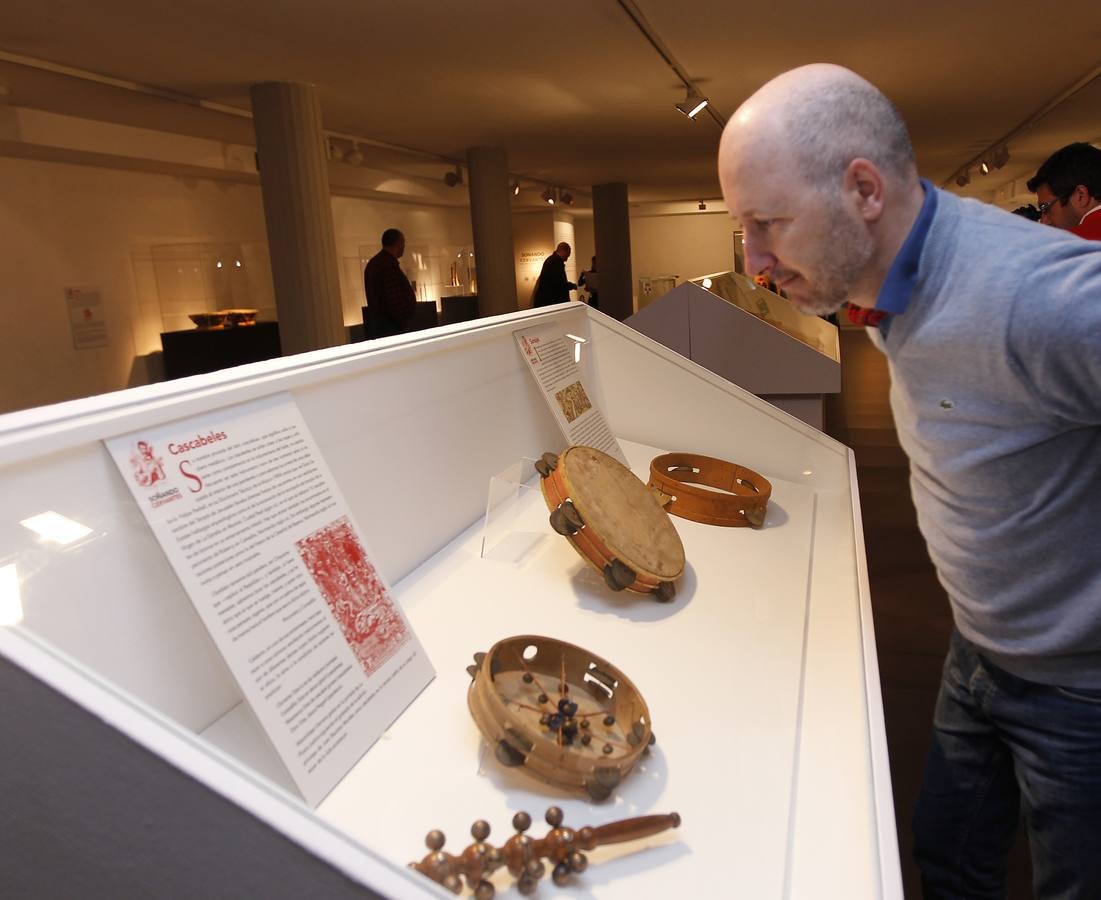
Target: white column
{"type": "Point", "coordinates": [294, 181]}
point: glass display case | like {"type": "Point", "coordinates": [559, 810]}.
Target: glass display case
{"type": "Point", "coordinates": [774, 309]}
{"type": "Point", "coordinates": [760, 675]}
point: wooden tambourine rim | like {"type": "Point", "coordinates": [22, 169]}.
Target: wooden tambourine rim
{"type": "Point", "coordinates": [595, 548]}
{"type": "Point", "coordinates": [707, 506]}
{"type": "Point", "coordinates": [577, 767]}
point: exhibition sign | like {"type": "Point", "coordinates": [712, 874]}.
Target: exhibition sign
{"type": "Point", "coordinates": [256, 529]}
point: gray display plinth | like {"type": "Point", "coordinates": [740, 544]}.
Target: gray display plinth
{"type": "Point", "coordinates": [751, 337]}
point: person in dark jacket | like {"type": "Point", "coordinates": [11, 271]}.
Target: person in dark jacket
{"type": "Point", "coordinates": [590, 280]}
{"type": "Point", "coordinates": [391, 301]}
{"type": "Point", "coordinates": [553, 286]}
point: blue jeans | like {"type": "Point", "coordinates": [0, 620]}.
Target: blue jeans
{"type": "Point", "coordinates": [1002, 747]}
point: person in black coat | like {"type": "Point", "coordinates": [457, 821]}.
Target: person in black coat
{"type": "Point", "coordinates": [391, 301]}
{"type": "Point", "coordinates": [552, 285]}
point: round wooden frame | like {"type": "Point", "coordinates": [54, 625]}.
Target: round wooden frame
{"type": "Point", "coordinates": [612, 520]}
{"type": "Point", "coordinates": [566, 715]}
{"type": "Point", "coordinates": [744, 493]}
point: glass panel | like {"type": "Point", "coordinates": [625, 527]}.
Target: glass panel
{"type": "Point", "coordinates": [774, 309]}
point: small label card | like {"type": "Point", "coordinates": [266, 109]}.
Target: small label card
{"type": "Point", "coordinates": [552, 358]}
{"type": "Point", "coordinates": [259, 535]}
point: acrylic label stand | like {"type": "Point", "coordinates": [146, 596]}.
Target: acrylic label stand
{"type": "Point", "coordinates": [516, 516]}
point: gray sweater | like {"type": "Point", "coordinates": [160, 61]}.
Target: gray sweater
{"type": "Point", "coordinates": [996, 392]}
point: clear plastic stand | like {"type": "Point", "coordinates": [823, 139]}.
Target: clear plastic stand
{"type": "Point", "coordinates": [516, 516]}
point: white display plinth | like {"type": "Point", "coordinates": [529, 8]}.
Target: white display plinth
{"type": "Point", "coordinates": [760, 675]}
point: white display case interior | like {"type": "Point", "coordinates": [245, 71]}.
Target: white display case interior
{"type": "Point", "coordinates": [760, 675]}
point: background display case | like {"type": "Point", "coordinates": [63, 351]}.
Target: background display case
{"type": "Point", "coordinates": [760, 676]}
{"type": "Point", "coordinates": [749, 336]}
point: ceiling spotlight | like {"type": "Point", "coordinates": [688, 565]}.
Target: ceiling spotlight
{"type": "Point", "coordinates": [548, 196]}
{"type": "Point", "coordinates": [353, 157]}
{"type": "Point", "coordinates": [963, 179]}
{"type": "Point", "coordinates": [566, 198]}
{"type": "Point", "coordinates": [702, 206]}
{"type": "Point", "coordinates": [984, 167]}
{"type": "Point", "coordinates": [693, 103]}
{"type": "Point", "coordinates": [514, 188]}
{"type": "Point", "coordinates": [1000, 156]}
{"type": "Point", "coordinates": [453, 178]}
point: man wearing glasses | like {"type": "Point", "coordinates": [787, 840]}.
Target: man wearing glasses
{"type": "Point", "coordinates": [1068, 190]}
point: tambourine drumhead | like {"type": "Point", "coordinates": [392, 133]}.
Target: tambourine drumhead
{"type": "Point", "coordinates": [623, 511]}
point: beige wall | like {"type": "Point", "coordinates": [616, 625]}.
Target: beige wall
{"type": "Point", "coordinates": [64, 225]}
{"type": "Point", "coordinates": [685, 245]}
{"type": "Point", "coordinates": [67, 225]}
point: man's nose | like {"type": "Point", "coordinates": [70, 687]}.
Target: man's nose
{"type": "Point", "coordinates": [756, 259]}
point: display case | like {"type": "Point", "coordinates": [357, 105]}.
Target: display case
{"type": "Point", "coordinates": [750, 336]}
{"type": "Point", "coordinates": [769, 306]}
{"type": "Point", "coordinates": [760, 675]}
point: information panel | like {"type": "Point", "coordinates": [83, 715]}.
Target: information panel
{"type": "Point", "coordinates": [552, 358]}
{"type": "Point", "coordinates": [259, 535]}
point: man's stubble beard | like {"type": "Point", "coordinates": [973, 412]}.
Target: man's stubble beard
{"type": "Point", "coordinates": [840, 264]}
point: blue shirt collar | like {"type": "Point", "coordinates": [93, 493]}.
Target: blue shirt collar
{"type": "Point", "coordinates": [898, 286]}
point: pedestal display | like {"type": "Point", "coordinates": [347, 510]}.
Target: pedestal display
{"type": "Point", "coordinates": [750, 336]}
{"type": "Point", "coordinates": [760, 673]}
{"type": "Point", "coordinates": [210, 349]}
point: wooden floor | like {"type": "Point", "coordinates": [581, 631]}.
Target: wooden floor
{"type": "Point", "coordinates": [910, 609]}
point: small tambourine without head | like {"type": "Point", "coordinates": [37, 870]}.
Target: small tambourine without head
{"type": "Point", "coordinates": [567, 716]}
{"type": "Point", "coordinates": [737, 495]}
{"type": "Point", "coordinates": [613, 520]}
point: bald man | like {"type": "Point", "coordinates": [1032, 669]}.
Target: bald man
{"type": "Point", "coordinates": [553, 286]}
{"type": "Point", "coordinates": [992, 328]}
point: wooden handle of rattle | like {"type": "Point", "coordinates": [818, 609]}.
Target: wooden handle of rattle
{"type": "Point", "coordinates": [633, 829]}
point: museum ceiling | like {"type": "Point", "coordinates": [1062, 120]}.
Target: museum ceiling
{"type": "Point", "coordinates": [575, 91]}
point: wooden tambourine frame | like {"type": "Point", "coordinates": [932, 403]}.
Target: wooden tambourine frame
{"type": "Point", "coordinates": [612, 520]}
{"type": "Point", "coordinates": [740, 495]}
{"type": "Point", "coordinates": [567, 716]}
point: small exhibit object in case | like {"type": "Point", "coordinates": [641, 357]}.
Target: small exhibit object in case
{"type": "Point", "coordinates": [569, 717]}
{"type": "Point", "coordinates": [613, 520]}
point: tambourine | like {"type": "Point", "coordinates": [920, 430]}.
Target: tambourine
{"type": "Point", "coordinates": [613, 520]}
{"type": "Point", "coordinates": [567, 716]}
{"type": "Point", "coordinates": [740, 495]}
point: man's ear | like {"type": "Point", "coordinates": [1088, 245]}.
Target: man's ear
{"type": "Point", "coordinates": [863, 188]}
{"type": "Point", "coordinates": [1080, 198]}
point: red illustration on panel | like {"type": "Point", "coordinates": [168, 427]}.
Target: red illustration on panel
{"type": "Point", "coordinates": [370, 621]}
